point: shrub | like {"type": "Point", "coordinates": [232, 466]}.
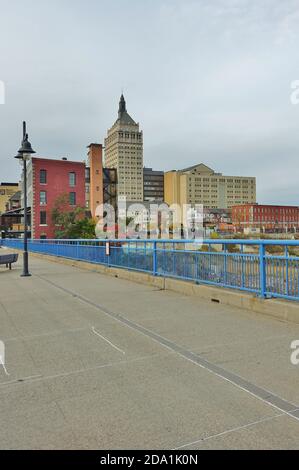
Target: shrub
{"type": "Point", "coordinates": [274, 249]}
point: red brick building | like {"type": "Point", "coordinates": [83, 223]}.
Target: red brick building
{"type": "Point", "coordinates": [48, 179]}
{"type": "Point", "coordinates": [267, 218]}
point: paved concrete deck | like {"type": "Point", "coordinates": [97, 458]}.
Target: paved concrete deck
{"type": "Point", "coordinates": [97, 362]}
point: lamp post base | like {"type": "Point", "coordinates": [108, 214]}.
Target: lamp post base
{"type": "Point", "coordinates": [26, 272]}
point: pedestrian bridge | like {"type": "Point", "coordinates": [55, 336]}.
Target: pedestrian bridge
{"type": "Point", "coordinates": [96, 361]}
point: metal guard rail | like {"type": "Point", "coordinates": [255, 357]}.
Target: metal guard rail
{"type": "Point", "coordinates": [237, 264]}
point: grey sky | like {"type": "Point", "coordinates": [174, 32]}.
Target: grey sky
{"type": "Point", "coordinates": [209, 81]}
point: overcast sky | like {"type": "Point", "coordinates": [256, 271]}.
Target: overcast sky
{"type": "Point", "coordinates": [208, 81]}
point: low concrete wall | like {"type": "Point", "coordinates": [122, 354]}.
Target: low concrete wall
{"type": "Point", "coordinates": [281, 309]}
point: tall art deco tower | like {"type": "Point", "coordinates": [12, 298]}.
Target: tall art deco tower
{"type": "Point", "coordinates": [124, 151]}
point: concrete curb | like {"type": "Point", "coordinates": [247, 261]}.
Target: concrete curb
{"type": "Point", "coordinates": [281, 309]}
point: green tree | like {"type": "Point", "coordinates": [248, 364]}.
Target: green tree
{"type": "Point", "coordinates": [71, 223]}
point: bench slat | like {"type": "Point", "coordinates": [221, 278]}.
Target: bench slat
{"type": "Point", "coordinates": [7, 259]}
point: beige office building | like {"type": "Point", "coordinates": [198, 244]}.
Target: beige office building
{"type": "Point", "coordinates": [124, 151]}
{"type": "Point", "coordinates": [200, 184]}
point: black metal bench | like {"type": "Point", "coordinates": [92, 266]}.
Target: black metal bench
{"type": "Point", "coordinates": [9, 259]}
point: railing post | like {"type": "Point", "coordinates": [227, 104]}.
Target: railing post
{"type": "Point", "coordinates": [286, 253]}
{"type": "Point", "coordinates": [155, 267]}
{"type": "Point", "coordinates": [225, 265]}
{"type": "Point", "coordinates": [263, 282]}
{"type": "Point", "coordinates": [108, 252]}
{"type": "Point", "coordinates": [242, 267]}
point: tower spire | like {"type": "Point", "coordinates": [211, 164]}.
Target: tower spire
{"type": "Point", "coordinates": [122, 106]}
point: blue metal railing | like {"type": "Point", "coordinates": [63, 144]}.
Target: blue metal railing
{"type": "Point", "coordinates": [239, 264]}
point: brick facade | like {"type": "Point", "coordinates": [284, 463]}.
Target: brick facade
{"type": "Point", "coordinates": [265, 217]}
{"type": "Point", "coordinates": [48, 180]}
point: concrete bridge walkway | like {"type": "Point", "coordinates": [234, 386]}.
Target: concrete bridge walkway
{"type": "Point", "coordinates": [99, 362]}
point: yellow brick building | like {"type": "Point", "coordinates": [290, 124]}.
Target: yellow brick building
{"type": "Point", "coordinates": [200, 184]}
{"type": "Point", "coordinates": [6, 191]}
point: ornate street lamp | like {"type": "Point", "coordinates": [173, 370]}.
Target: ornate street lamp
{"type": "Point", "coordinates": [23, 154]}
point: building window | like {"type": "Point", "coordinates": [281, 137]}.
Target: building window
{"type": "Point", "coordinates": [72, 179]}
{"type": "Point", "coordinates": [43, 218]}
{"type": "Point", "coordinates": [43, 198]}
{"type": "Point", "coordinates": [43, 237]}
{"type": "Point", "coordinates": [72, 199]}
{"type": "Point", "coordinates": [43, 176]}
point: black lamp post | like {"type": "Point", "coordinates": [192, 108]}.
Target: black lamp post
{"type": "Point", "coordinates": [23, 154]}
